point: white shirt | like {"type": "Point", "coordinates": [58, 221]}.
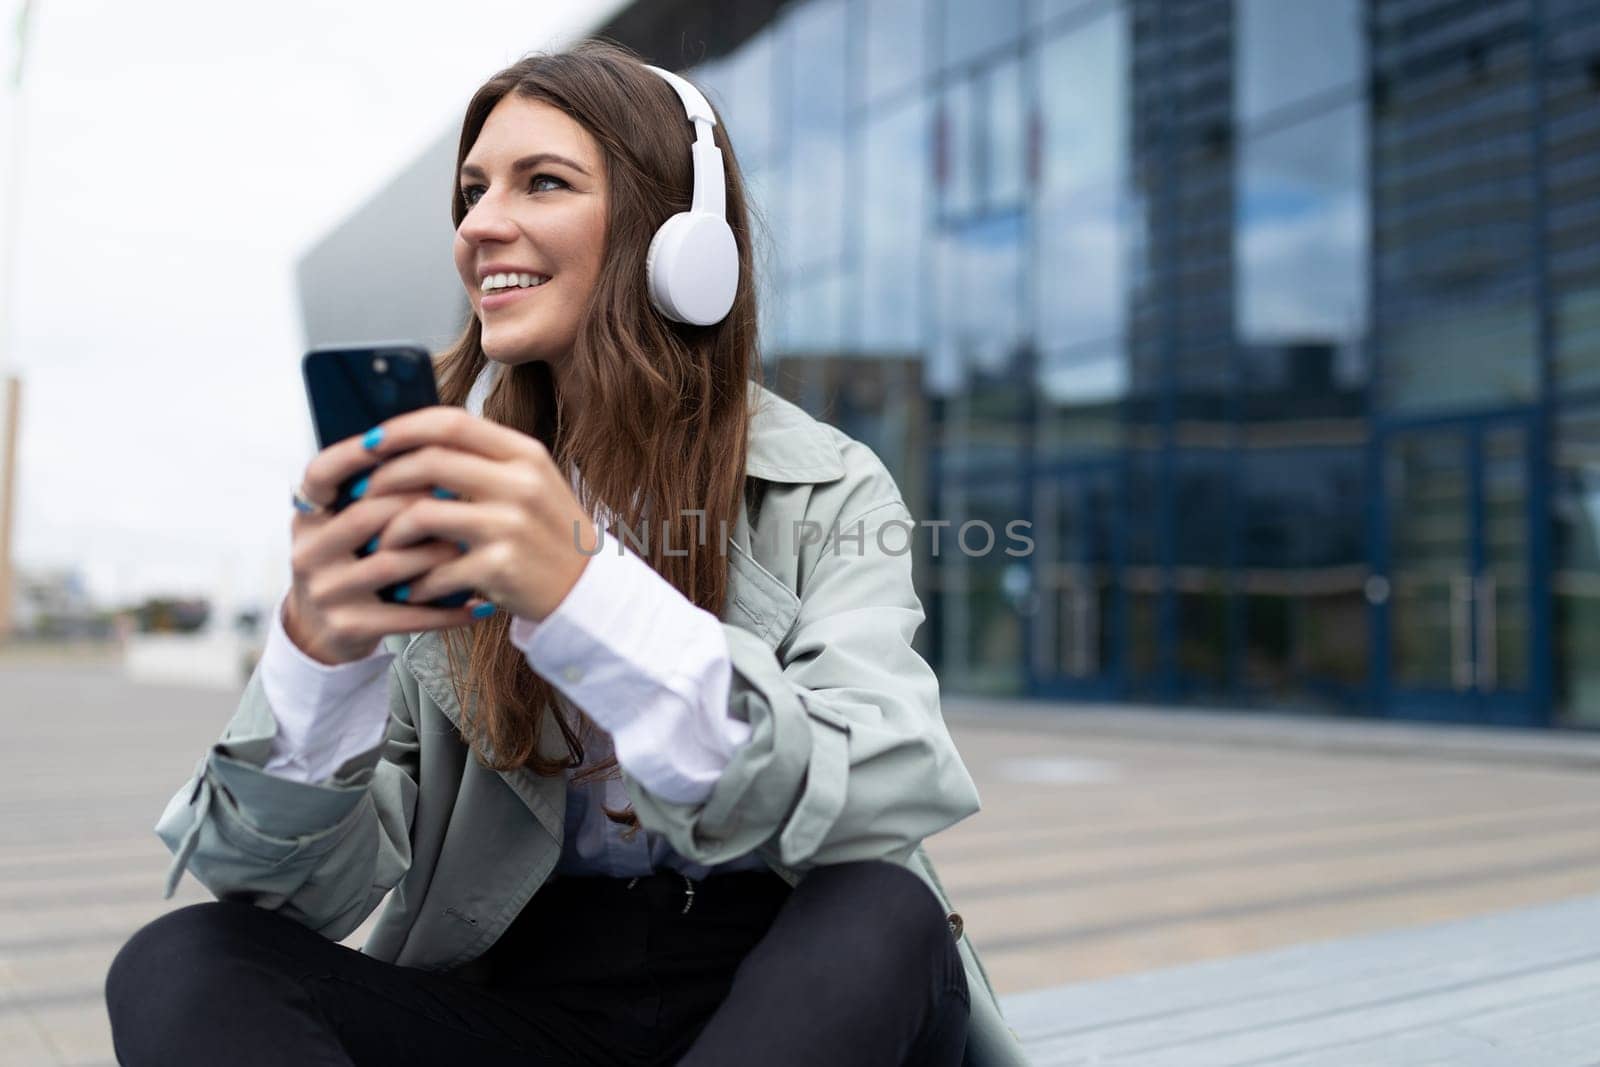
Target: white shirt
{"type": "Point", "coordinates": [647, 665]}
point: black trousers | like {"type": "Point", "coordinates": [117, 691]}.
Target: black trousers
{"type": "Point", "coordinates": [856, 965]}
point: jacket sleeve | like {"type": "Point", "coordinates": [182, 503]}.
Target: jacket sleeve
{"type": "Point", "coordinates": [323, 854]}
{"type": "Point", "coordinates": [848, 757]}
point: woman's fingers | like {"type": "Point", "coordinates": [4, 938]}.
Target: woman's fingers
{"type": "Point", "coordinates": [448, 520]}
{"type": "Point", "coordinates": [360, 578]}
{"type": "Point", "coordinates": [449, 576]}
{"type": "Point", "coordinates": [330, 467]}
{"type": "Point", "coordinates": [319, 540]}
{"type": "Point", "coordinates": [453, 426]}
{"type": "Point", "coordinates": [446, 472]}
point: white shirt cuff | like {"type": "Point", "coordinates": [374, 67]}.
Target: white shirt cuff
{"type": "Point", "coordinates": [651, 668]}
{"type": "Point", "coordinates": [325, 714]}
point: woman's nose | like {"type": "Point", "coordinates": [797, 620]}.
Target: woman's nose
{"type": "Point", "coordinates": [486, 222]}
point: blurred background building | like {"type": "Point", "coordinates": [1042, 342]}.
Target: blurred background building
{"type": "Point", "coordinates": [1279, 320]}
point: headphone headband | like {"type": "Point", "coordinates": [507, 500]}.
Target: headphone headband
{"type": "Point", "coordinates": [695, 105]}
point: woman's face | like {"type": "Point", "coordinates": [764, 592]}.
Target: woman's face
{"type": "Point", "coordinates": [535, 191]}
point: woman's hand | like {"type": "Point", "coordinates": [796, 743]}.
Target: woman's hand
{"type": "Point", "coordinates": [466, 479]}
{"type": "Point", "coordinates": [333, 613]}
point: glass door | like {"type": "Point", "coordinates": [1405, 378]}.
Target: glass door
{"type": "Point", "coordinates": [1073, 649]}
{"type": "Point", "coordinates": [1455, 580]}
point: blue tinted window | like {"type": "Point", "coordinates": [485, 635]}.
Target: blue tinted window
{"type": "Point", "coordinates": [1081, 297]}
{"type": "Point", "coordinates": [1291, 50]}
{"type": "Point", "coordinates": [812, 308]}
{"type": "Point", "coordinates": [958, 154]}
{"type": "Point", "coordinates": [1047, 11]}
{"type": "Point", "coordinates": [1302, 249]}
{"type": "Point", "coordinates": [896, 44]}
{"type": "Point", "coordinates": [1005, 137]}
{"type": "Point", "coordinates": [816, 149]}
{"type": "Point", "coordinates": [741, 88]}
{"type": "Point", "coordinates": [979, 320]}
{"type": "Point", "coordinates": [973, 27]}
{"type": "Point", "coordinates": [894, 219]}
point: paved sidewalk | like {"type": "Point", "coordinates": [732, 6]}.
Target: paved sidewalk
{"type": "Point", "coordinates": [1516, 989]}
{"type": "Point", "coordinates": [1098, 853]}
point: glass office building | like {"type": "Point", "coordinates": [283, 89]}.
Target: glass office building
{"type": "Point", "coordinates": [1277, 321]}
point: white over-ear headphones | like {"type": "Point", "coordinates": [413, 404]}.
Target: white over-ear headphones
{"type": "Point", "coordinates": [692, 268]}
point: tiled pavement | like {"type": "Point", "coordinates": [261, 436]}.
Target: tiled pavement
{"type": "Point", "coordinates": [1097, 854]}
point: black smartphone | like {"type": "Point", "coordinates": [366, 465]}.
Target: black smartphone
{"type": "Point", "coordinates": [352, 389]}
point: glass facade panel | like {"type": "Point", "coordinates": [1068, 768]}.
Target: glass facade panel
{"type": "Point", "coordinates": [1075, 571]}
{"type": "Point", "coordinates": [1143, 577]}
{"type": "Point", "coordinates": [978, 317]}
{"type": "Point", "coordinates": [1048, 13]}
{"type": "Point", "coordinates": [974, 27]}
{"type": "Point", "coordinates": [813, 307]}
{"type": "Point", "coordinates": [1430, 561]}
{"type": "Point", "coordinates": [1302, 557]}
{"type": "Point", "coordinates": [1292, 52]}
{"type": "Point", "coordinates": [1204, 498]}
{"type": "Point", "coordinates": [958, 151]}
{"type": "Point", "coordinates": [896, 167]}
{"type": "Point", "coordinates": [816, 128]}
{"type": "Point", "coordinates": [1302, 232]}
{"type": "Point", "coordinates": [1572, 189]}
{"type": "Point", "coordinates": [896, 46]}
{"type": "Point", "coordinates": [982, 612]}
{"type": "Point", "coordinates": [741, 88]}
{"type": "Point", "coordinates": [1453, 215]}
{"type": "Point", "coordinates": [1005, 137]}
{"type": "Point", "coordinates": [1080, 298]}
{"type": "Point", "coordinates": [1575, 584]}
{"type": "Point", "coordinates": [1501, 595]}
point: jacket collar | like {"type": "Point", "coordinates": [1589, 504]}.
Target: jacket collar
{"type": "Point", "coordinates": [786, 444]}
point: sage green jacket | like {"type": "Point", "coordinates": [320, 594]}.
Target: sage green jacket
{"type": "Point", "coordinates": [848, 758]}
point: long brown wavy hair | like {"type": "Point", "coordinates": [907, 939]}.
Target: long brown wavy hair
{"type": "Point", "coordinates": [663, 429]}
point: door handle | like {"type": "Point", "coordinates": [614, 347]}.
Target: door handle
{"type": "Point", "coordinates": [1461, 672]}
{"type": "Point", "coordinates": [1488, 634]}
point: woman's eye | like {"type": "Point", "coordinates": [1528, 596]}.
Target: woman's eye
{"type": "Point", "coordinates": [470, 194]}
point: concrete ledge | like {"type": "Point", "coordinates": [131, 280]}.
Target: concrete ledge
{"type": "Point", "coordinates": [1577, 749]}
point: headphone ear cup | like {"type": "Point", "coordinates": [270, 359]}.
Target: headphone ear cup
{"type": "Point", "coordinates": [692, 268]}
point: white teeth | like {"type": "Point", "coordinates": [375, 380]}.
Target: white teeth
{"type": "Point", "coordinates": [495, 282]}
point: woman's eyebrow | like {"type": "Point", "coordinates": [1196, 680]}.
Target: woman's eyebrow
{"type": "Point", "coordinates": [526, 163]}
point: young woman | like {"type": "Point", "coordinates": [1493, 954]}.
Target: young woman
{"type": "Point", "coordinates": [652, 802]}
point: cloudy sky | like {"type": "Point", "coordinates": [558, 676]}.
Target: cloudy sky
{"type": "Point", "coordinates": [177, 156]}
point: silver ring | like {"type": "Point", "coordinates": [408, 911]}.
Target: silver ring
{"type": "Point", "coordinates": [304, 504]}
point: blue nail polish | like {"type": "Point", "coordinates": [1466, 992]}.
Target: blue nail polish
{"type": "Point", "coordinates": [444, 494]}
{"type": "Point", "coordinates": [373, 438]}
{"type": "Point", "coordinates": [403, 593]}
{"type": "Point", "coordinates": [483, 611]}
{"type": "Point", "coordinates": [358, 489]}
{"type": "Point", "coordinates": [372, 546]}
